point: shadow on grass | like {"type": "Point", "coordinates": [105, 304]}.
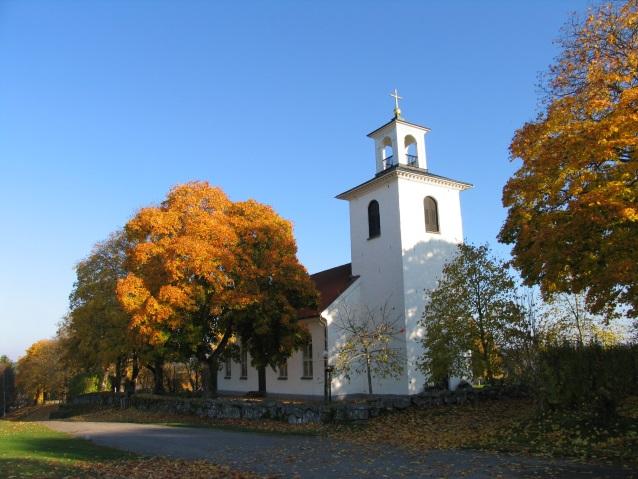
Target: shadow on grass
{"type": "Point", "coordinates": [59, 448]}
{"type": "Point", "coordinates": [41, 468]}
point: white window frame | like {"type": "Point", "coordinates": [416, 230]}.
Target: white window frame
{"type": "Point", "coordinates": [307, 362]}
{"type": "Point", "coordinates": [283, 370]}
{"type": "Point", "coordinates": [229, 369]}
{"type": "Point", "coordinates": [243, 359]}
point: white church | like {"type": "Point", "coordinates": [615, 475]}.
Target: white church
{"type": "Point", "coordinates": [405, 223]}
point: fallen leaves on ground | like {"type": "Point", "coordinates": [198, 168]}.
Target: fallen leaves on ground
{"type": "Point", "coordinates": [32, 413]}
{"type": "Point", "coordinates": [500, 425]}
{"type": "Point", "coordinates": [504, 425]}
{"type": "Point", "coordinates": [161, 468]}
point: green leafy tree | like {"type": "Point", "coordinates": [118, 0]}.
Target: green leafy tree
{"type": "Point", "coordinates": [95, 332]}
{"type": "Point", "coordinates": [370, 343]}
{"type": "Point", "coordinates": [268, 262]}
{"type": "Point", "coordinates": [473, 310]}
{"type": "Point", "coordinates": [95, 335]}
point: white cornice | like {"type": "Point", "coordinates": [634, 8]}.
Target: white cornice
{"type": "Point", "coordinates": [394, 121]}
{"type": "Point", "coordinates": [434, 179]}
{"type": "Point", "coordinates": [419, 176]}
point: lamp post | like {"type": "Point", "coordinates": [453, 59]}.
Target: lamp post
{"type": "Point", "coordinates": [327, 378]}
{"type": "Point", "coordinates": [329, 370]}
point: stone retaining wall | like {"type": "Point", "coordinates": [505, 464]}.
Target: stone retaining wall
{"type": "Point", "coordinates": [291, 412]}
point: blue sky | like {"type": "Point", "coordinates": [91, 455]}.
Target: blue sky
{"type": "Point", "coordinates": [104, 105]}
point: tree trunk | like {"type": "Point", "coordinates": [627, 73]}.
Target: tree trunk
{"type": "Point", "coordinates": [158, 376]}
{"type": "Point", "coordinates": [486, 352]}
{"type": "Point", "coordinates": [211, 383]}
{"type": "Point", "coordinates": [135, 371]}
{"type": "Point", "coordinates": [210, 386]}
{"type": "Point", "coordinates": [261, 375]}
{"type": "Point", "coordinates": [117, 380]}
{"type": "Point", "coordinates": [369, 375]}
{"type": "Point", "coordinates": [193, 376]}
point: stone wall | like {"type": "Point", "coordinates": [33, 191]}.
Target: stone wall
{"type": "Point", "coordinates": [294, 412]}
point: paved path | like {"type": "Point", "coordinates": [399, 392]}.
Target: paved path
{"type": "Point", "coordinates": [292, 456]}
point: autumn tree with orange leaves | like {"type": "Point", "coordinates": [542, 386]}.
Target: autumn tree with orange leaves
{"type": "Point", "coordinates": [573, 203]}
{"type": "Point", "coordinates": [205, 270]}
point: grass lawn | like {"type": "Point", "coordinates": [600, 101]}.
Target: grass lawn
{"type": "Point", "coordinates": [29, 449]}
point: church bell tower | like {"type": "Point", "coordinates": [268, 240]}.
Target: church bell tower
{"type": "Point", "coordinates": [405, 223]}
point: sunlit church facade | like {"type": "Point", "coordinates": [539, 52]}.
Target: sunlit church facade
{"type": "Point", "coordinates": [405, 222]}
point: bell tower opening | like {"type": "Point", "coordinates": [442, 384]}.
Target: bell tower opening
{"type": "Point", "coordinates": [411, 153]}
{"type": "Point", "coordinates": [388, 153]}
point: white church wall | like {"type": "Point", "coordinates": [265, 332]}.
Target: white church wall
{"type": "Point", "coordinates": [424, 255]}
{"type": "Point", "coordinates": [350, 303]}
{"type": "Point", "coordinates": [294, 385]}
{"type": "Point", "coordinates": [378, 260]}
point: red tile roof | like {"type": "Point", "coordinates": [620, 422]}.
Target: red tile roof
{"type": "Point", "coordinates": [330, 283]}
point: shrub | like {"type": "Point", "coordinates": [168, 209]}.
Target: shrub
{"type": "Point", "coordinates": [84, 383]}
{"type": "Point", "coordinates": [590, 377]}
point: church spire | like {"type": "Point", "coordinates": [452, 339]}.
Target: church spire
{"type": "Point", "coordinates": [397, 110]}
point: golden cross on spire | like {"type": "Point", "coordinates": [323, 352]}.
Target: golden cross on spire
{"type": "Point", "coordinates": [397, 110]}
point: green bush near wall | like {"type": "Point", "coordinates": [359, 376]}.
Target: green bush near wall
{"type": "Point", "coordinates": [83, 384]}
{"type": "Point", "coordinates": [591, 377]}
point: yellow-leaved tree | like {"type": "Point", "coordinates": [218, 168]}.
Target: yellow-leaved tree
{"type": "Point", "coordinates": [40, 375]}
{"type": "Point", "coordinates": [573, 203]}
{"type": "Point", "coordinates": [205, 270]}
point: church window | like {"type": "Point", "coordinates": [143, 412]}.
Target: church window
{"type": "Point", "coordinates": [431, 215]}
{"type": "Point", "coordinates": [243, 357]}
{"type": "Point", "coordinates": [283, 370]}
{"type": "Point", "coordinates": [307, 359]}
{"type": "Point", "coordinates": [228, 368]}
{"type": "Point", "coordinates": [374, 221]}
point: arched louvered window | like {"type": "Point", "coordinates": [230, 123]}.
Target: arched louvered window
{"type": "Point", "coordinates": [374, 222]}
{"type": "Point", "coordinates": [431, 215]}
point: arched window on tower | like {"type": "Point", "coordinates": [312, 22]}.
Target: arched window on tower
{"type": "Point", "coordinates": [388, 153]}
{"type": "Point", "coordinates": [410, 151]}
{"type": "Point", "coordinates": [374, 221]}
{"type": "Point", "coordinates": [431, 215]}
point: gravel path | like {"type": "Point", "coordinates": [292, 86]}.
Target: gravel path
{"type": "Point", "coordinates": [292, 456]}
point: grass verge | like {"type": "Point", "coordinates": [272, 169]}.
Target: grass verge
{"type": "Point", "coordinates": [28, 449]}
